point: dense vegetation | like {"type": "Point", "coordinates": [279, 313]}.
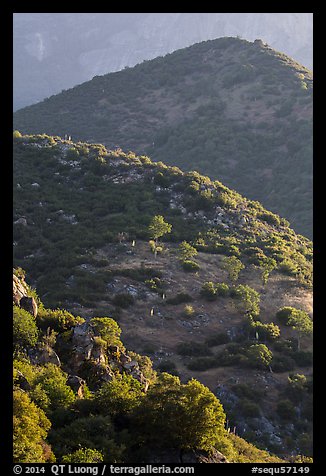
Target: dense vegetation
{"type": "Point", "coordinates": [115, 421]}
{"type": "Point", "coordinates": [71, 199]}
{"type": "Point", "coordinates": [237, 111]}
{"type": "Point", "coordinates": [108, 233]}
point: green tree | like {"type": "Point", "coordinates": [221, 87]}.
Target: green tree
{"type": "Point", "coordinates": [187, 251]}
{"type": "Point", "coordinates": [259, 355]}
{"type": "Point", "coordinates": [185, 416]}
{"type": "Point", "coordinates": [247, 300]}
{"type": "Point", "coordinates": [30, 428]}
{"type": "Point", "coordinates": [119, 396]}
{"type": "Point", "coordinates": [268, 331]}
{"type": "Point", "coordinates": [284, 314]}
{"type": "Point", "coordinates": [107, 329]}
{"type": "Point", "coordinates": [94, 432]}
{"type": "Point", "coordinates": [267, 266]}
{"type": "Point", "coordinates": [302, 324]}
{"type": "Point", "coordinates": [298, 319]}
{"type": "Point", "coordinates": [233, 266]}
{"type": "Point", "coordinates": [52, 389]}
{"type": "Point", "coordinates": [158, 227]}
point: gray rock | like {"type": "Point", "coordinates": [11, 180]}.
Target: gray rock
{"type": "Point", "coordinates": [21, 221]}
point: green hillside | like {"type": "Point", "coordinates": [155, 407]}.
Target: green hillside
{"type": "Point", "coordinates": [205, 282]}
{"type": "Point", "coordinates": [237, 111]}
{"type": "Point", "coordinates": [117, 409]}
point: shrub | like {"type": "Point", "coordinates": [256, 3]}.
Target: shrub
{"type": "Point", "coordinates": [269, 217]}
{"type": "Point", "coordinates": [283, 364]}
{"type": "Point", "coordinates": [187, 251]}
{"type": "Point", "coordinates": [296, 318]}
{"type": "Point", "coordinates": [107, 329]}
{"type": "Point", "coordinates": [154, 283]}
{"type": "Point", "coordinates": [233, 266]}
{"type": "Point", "coordinates": [83, 455]}
{"type": "Point", "coordinates": [25, 331]}
{"type": "Point", "coordinates": [259, 356]}
{"type": "Point", "coordinates": [286, 346]}
{"type": "Point", "coordinates": [188, 310]}
{"type": "Point", "coordinates": [247, 300]}
{"type": "Point", "coordinates": [248, 392]}
{"type": "Point", "coordinates": [58, 319]}
{"type": "Point", "coordinates": [123, 300]}
{"type": "Point", "coordinates": [52, 389]}
{"type": "Point", "coordinates": [208, 291]}
{"type": "Point", "coordinates": [30, 427]}
{"type": "Point", "coordinates": [288, 267]}
{"type": "Point", "coordinates": [269, 331]}
{"type": "Point", "coordinates": [217, 339]}
{"type": "Point", "coordinates": [202, 363]}
{"type": "Point", "coordinates": [16, 134]}
{"type": "Point", "coordinates": [222, 289]}
{"type": "Point", "coordinates": [193, 349]}
{"type": "Point", "coordinates": [190, 266]}
{"type": "Point", "coordinates": [180, 298]}
{"type": "Point", "coordinates": [119, 396]}
{"type": "Point", "coordinates": [286, 410]}
{"type": "Point", "coordinates": [166, 366]}
{"type": "Point", "coordinates": [303, 358]}
{"type": "Point", "coordinates": [248, 408]}
{"type": "Point", "coordinates": [95, 431]}
{"type": "Point", "coordinates": [284, 314]}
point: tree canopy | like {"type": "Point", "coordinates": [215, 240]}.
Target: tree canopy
{"type": "Point", "coordinates": [158, 227]}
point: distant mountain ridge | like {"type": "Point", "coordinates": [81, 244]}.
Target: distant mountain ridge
{"type": "Point", "coordinates": [54, 51]}
{"type": "Point", "coordinates": [237, 111]}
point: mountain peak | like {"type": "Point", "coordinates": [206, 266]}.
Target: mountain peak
{"type": "Point", "coordinates": [235, 110]}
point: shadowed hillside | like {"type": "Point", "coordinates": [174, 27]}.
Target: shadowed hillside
{"type": "Point", "coordinates": [237, 111]}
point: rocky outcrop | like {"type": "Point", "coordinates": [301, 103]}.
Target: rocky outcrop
{"type": "Point", "coordinates": [21, 298]}
{"type": "Point", "coordinates": [86, 348]}
{"type": "Point", "coordinates": [20, 289]}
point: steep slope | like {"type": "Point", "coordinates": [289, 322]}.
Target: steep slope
{"type": "Point", "coordinates": [113, 398]}
{"type": "Point", "coordinates": [101, 43]}
{"type": "Point", "coordinates": [81, 230]}
{"type": "Point", "coordinates": [237, 111]}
